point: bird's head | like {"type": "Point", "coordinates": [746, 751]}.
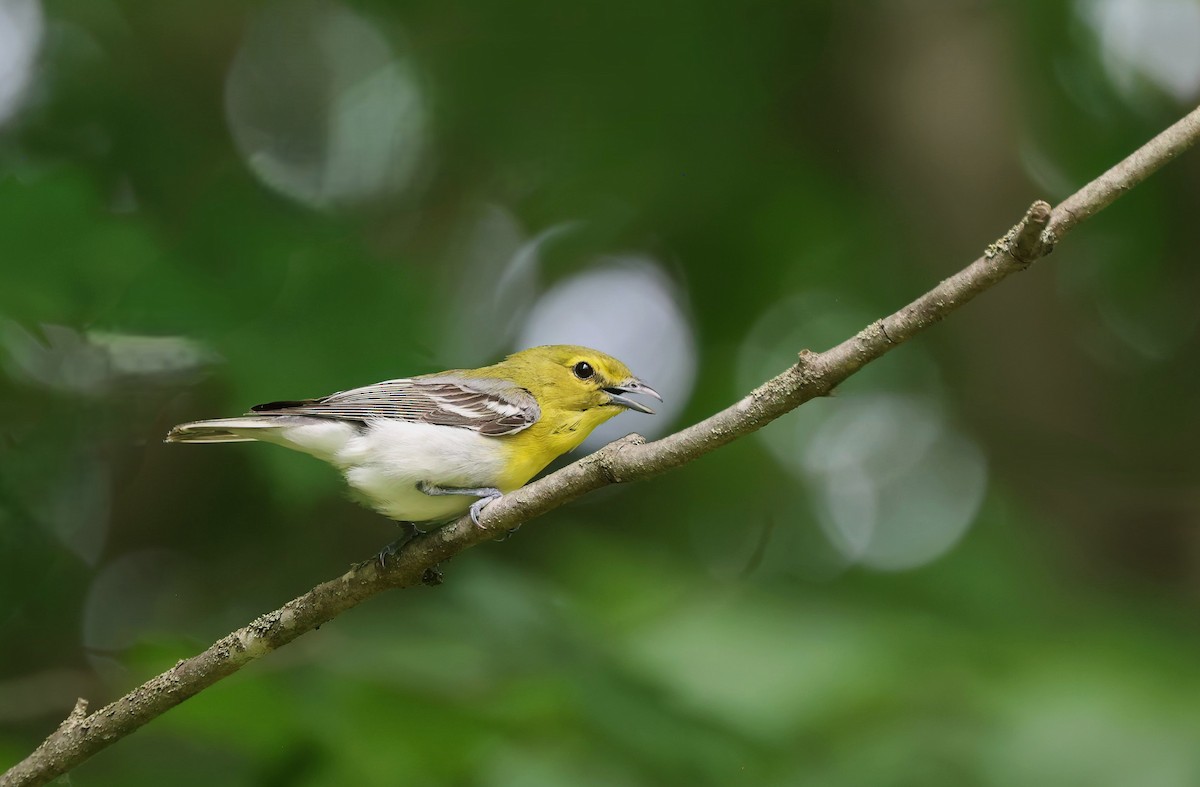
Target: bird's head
{"type": "Point", "coordinates": [578, 379]}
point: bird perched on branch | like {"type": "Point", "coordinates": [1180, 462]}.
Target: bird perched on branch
{"type": "Point", "coordinates": [427, 449]}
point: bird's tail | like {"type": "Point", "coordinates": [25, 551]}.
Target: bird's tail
{"type": "Point", "coordinates": [226, 430]}
{"type": "Point", "coordinates": [320, 437]}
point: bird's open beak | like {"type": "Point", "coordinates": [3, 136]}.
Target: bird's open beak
{"type": "Point", "coordinates": [617, 395]}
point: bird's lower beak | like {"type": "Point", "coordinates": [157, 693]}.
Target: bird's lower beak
{"type": "Point", "coordinates": [618, 395]}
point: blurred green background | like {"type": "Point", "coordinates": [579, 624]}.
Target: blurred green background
{"type": "Point", "coordinates": [979, 564]}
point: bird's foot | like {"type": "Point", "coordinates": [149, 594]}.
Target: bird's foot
{"type": "Point", "coordinates": [486, 495]}
{"type": "Point", "coordinates": [481, 504]}
{"type": "Point", "coordinates": [411, 531]}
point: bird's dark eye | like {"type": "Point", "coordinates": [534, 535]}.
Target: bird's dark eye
{"type": "Point", "coordinates": [584, 370]}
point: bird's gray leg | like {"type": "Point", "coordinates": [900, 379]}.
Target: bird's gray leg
{"type": "Point", "coordinates": [411, 531]}
{"type": "Point", "coordinates": [486, 494]}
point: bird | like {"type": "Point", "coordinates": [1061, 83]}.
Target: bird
{"type": "Point", "coordinates": [424, 450]}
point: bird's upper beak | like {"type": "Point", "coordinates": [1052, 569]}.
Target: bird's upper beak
{"type": "Point", "coordinates": [617, 395]}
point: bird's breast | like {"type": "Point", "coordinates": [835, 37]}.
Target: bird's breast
{"type": "Point", "coordinates": [530, 450]}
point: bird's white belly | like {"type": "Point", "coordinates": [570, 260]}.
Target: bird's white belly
{"type": "Point", "coordinates": [390, 458]}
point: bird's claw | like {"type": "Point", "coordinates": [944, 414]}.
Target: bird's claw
{"type": "Point", "coordinates": [509, 534]}
{"type": "Point", "coordinates": [478, 506]}
{"type": "Point", "coordinates": [411, 531]}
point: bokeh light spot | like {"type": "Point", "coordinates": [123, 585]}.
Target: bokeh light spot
{"type": "Point", "coordinates": [896, 486]}
{"type": "Point", "coordinates": [892, 484]}
{"type": "Point", "coordinates": [1154, 40]}
{"type": "Point", "coordinates": [77, 506]}
{"type": "Point", "coordinates": [321, 108]}
{"type": "Point", "coordinates": [66, 360]}
{"type": "Point", "coordinates": [137, 593]}
{"type": "Point", "coordinates": [21, 27]}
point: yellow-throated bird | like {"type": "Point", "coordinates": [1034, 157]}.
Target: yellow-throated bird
{"type": "Point", "coordinates": [426, 449]}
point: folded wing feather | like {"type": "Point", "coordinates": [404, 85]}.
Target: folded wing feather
{"type": "Point", "coordinates": [490, 407]}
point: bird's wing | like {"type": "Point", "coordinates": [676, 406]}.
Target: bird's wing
{"type": "Point", "coordinates": [490, 407]}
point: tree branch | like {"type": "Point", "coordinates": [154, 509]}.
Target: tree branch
{"type": "Point", "coordinates": [629, 459]}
